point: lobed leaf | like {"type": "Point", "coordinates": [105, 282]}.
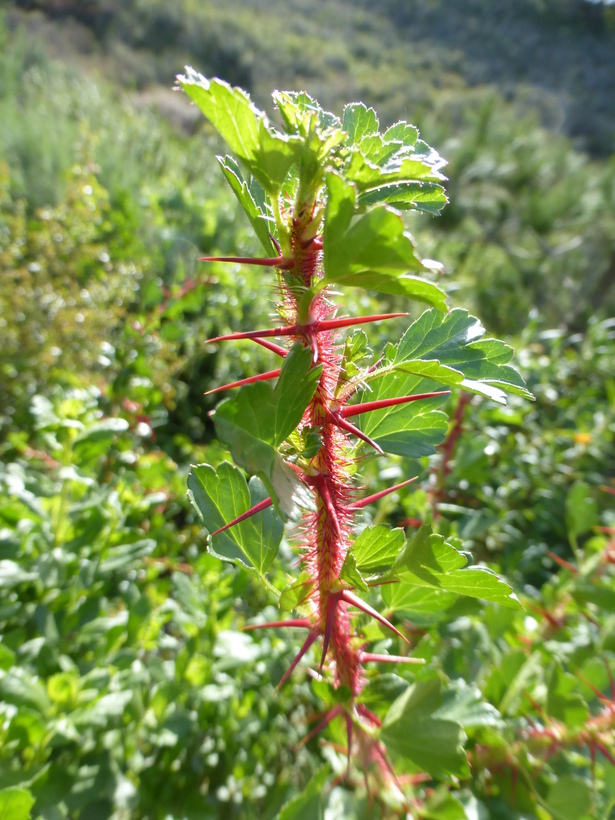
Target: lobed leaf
{"type": "Point", "coordinates": [376, 548]}
{"type": "Point", "coordinates": [222, 495]}
{"type": "Point", "coordinates": [411, 730]}
{"type": "Point", "coordinates": [359, 120]}
{"type": "Point", "coordinates": [428, 560]}
{"type": "Point", "coordinates": [412, 430]}
{"type": "Point", "coordinates": [449, 350]}
{"type": "Point", "coordinates": [267, 154]}
{"type": "Point", "coordinates": [373, 251]}
{"type": "Point", "coordinates": [256, 421]}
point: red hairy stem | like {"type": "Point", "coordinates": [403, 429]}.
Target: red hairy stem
{"type": "Point", "coordinates": [261, 377]}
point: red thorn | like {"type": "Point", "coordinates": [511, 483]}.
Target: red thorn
{"type": "Point", "coordinates": [537, 706]}
{"type": "Point", "coordinates": [605, 752]}
{"type": "Point", "coordinates": [556, 623]}
{"type": "Point", "coordinates": [331, 715]}
{"type": "Point", "coordinates": [313, 328]}
{"type": "Point", "coordinates": [357, 409]}
{"type": "Point", "coordinates": [301, 623]}
{"type": "Point", "coordinates": [262, 505]}
{"type": "Point", "coordinates": [331, 607]}
{"type": "Point", "coordinates": [261, 377]}
{"type": "Point", "coordinates": [366, 657]}
{"type": "Point", "coordinates": [308, 642]}
{"type": "Point", "coordinates": [315, 243]}
{"type": "Point", "coordinates": [281, 351]}
{"type": "Point", "coordinates": [595, 689]}
{"type": "Point", "coordinates": [276, 244]}
{"type": "Point", "coordinates": [563, 563]}
{"type": "Point", "coordinates": [340, 422]}
{"type": "Point", "coordinates": [333, 324]}
{"type": "Point", "coordinates": [352, 599]}
{"type": "Point", "coordinates": [290, 330]}
{"type": "Point", "coordinates": [270, 262]}
{"type": "Point", "coordinates": [370, 499]}
{"type": "Point", "coordinates": [382, 755]}
{"type": "Point", "coordinates": [363, 710]}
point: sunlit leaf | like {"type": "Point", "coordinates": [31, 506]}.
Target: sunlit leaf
{"type": "Point", "coordinates": [261, 222]}
{"type": "Point", "coordinates": [373, 251]}
{"type": "Point", "coordinates": [428, 560]}
{"type": "Point", "coordinates": [411, 730]}
{"type": "Point", "coordinates": [260, 417]}
{"type": "Point", "coordinates": [222, 495]}
{"type": "Point", "coordinates": [267, 155]}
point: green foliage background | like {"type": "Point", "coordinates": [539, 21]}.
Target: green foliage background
{"type": "Point", "coordinates": [126, 689]}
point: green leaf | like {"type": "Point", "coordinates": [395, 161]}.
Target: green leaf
{"type": "Point", "coordinates": [273, 413]}
{"type": "Point", "coordinates": [298, 110]}
{"type": "Point", "coordinates": [296, 593]}
{"type": "Point", "coordinates": [428, 560]}
{"type": "Point", "coordinates": [310, 802]}
{"type": "Point", "coordinates": [443, 806]}
{"type": "Point", "coordinates": [411, 730]}
{"type": "Point", "coordinates": [261, 221]}
{"type": "Point", "coordinates": [581, 509]}
{"type": "Point", "coordinates": [267, 155]}
{"type": "Point", "coordinates": [412, 430]}
{"type": "Point", "coordinates": [367, 175]}
{"type": "Point", "coordinates": [448, 349]}
{"type": "Point", "coordinates": [403, 132]}
{"type": "Point", "coordinates": [569, 798]}
{"type": "Point", "coordinates": [260, 417]}
{"type": "Point", "coordinates": [21, 689]}
{"type": "Point", "coordinates": [11, 574]}
{"type": "Point", "coordinates": [412, 600]}
{"type": "Point", "coordinates": [563, 700]}
{"type": "Point", "coordinates": [376, 548]}
{"type": "Point", "coordinates": [351, 575]}
{"type": "Point", "coordinates": [358, 120]}
{"type": "Point", "coordinates": [15, 804]}
{"type": "Point", "coordinates": [586, 591]}
{"type": "Point", "coordinates": [465, 705]}
{"type": "Point", "coordinates": [373, 251]}
{"type": "Point", "coordinates": [428, 197]}
{"type": "Point", "coordinates": [222, 495]}
{"type": "Point", "coordinates": [121, 556]}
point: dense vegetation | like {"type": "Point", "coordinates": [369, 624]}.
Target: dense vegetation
{"type": "Point", "coordinates": [126, 686]}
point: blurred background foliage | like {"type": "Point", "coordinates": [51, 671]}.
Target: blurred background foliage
{"type": "Point", "coordinates": [125, 689]}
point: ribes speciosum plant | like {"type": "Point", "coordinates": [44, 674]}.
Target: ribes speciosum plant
{"type": "Point", "coordinates": [324, 196]}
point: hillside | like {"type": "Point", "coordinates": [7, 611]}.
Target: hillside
{"type": "Point", "coordinates": [553, 57]}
